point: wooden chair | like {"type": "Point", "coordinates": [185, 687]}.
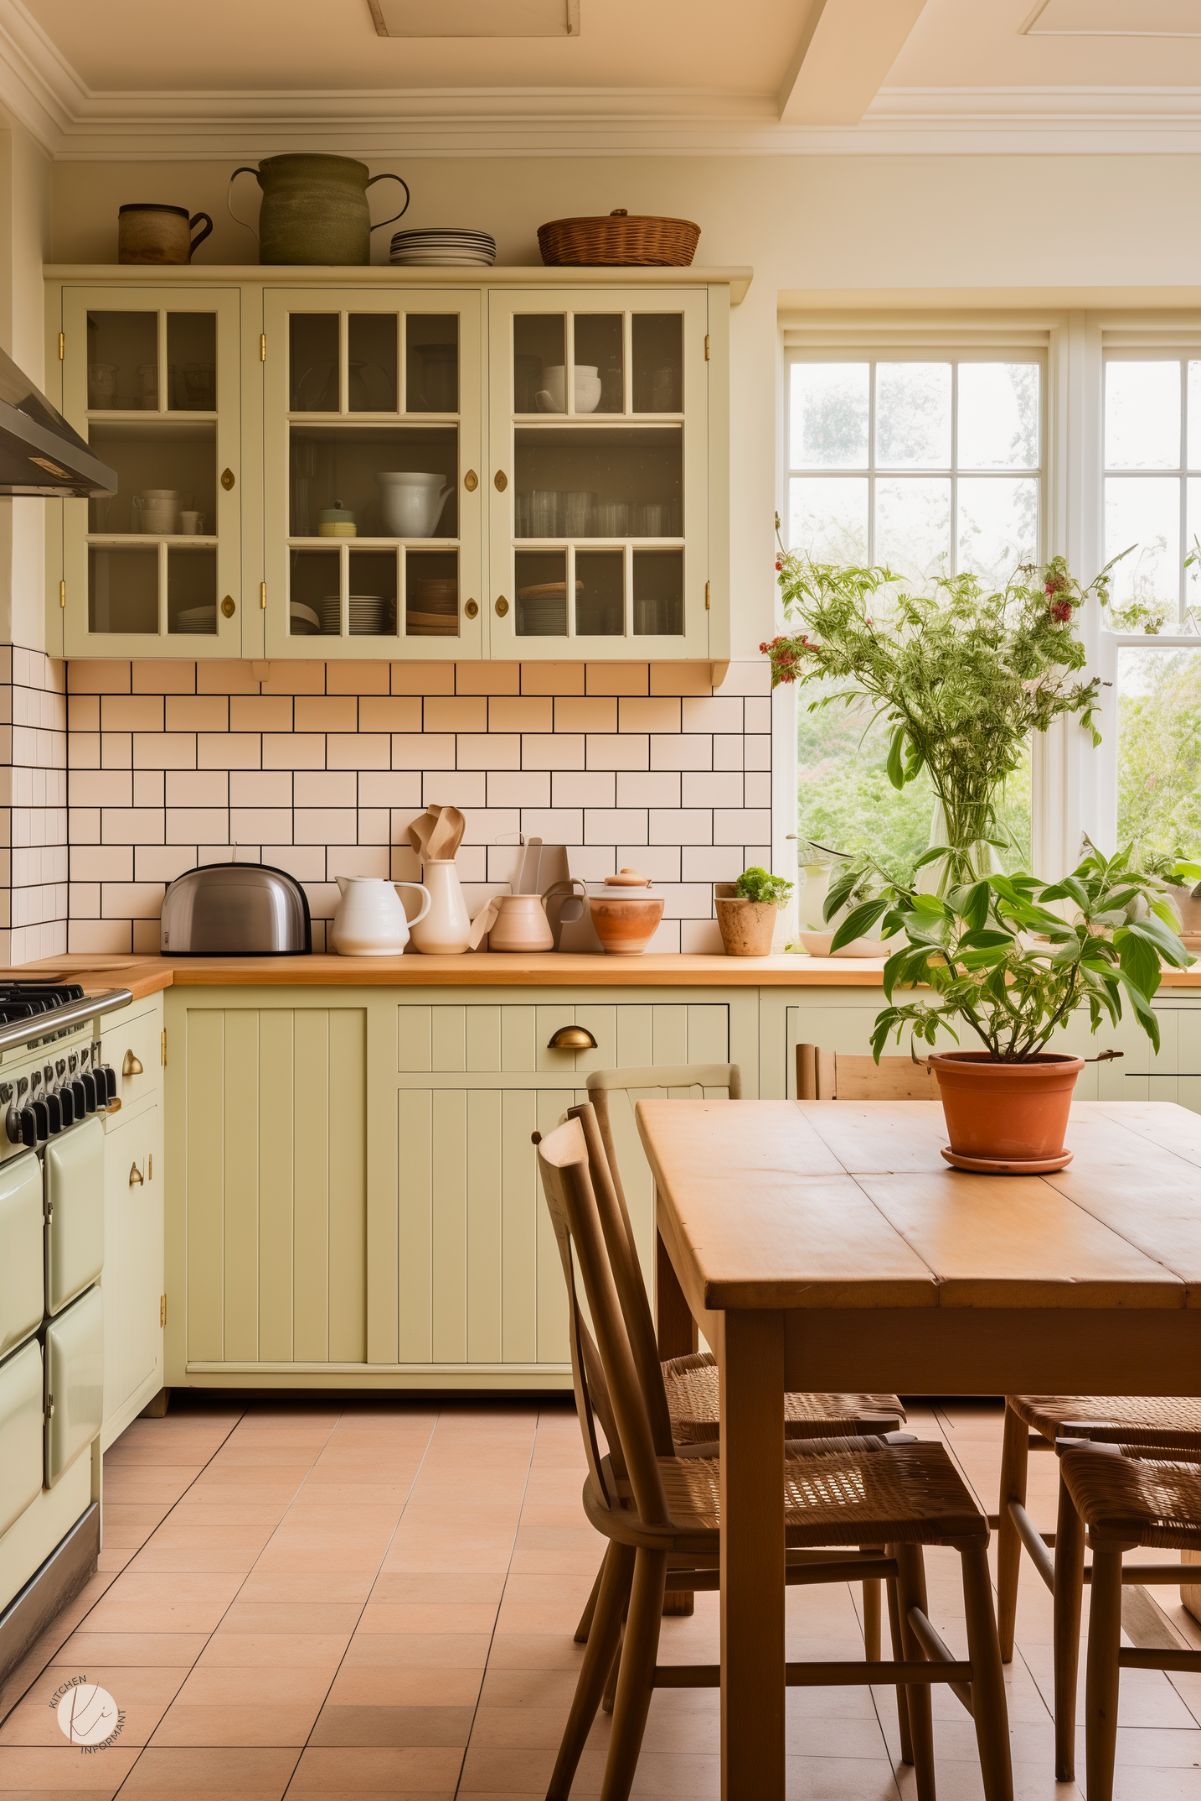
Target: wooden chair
{"type": "Point", "coordinates": [691, 1381]}
{"type": "Point", "coordinates": [659, 1509]}
{"type": "Point", "coordinates": [1048, 1422]}
{"type": "Point", "coordinates": [1125, 1499]}
{"type": "Point", "coordinates": [829, 1076]}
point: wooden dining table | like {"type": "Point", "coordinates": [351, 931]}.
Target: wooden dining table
{"type": "Point", "coordinates": [826, 1245]}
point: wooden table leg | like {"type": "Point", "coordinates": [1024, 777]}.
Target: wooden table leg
{"type": "Point", "coordinates": [751, 1357]}
{"type": "Point", "coordinates": [677, 1337]}
{"type": "Point", "coordinates": [673, 1316]}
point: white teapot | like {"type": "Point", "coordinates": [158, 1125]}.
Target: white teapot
{"type": "Point", "coordinates": [371, 920]}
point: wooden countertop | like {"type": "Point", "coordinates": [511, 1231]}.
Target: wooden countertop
{"type": "Point", "coordinates": [477, 969]}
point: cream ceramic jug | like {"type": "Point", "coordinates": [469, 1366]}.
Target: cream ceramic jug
{"type": "Point", "coordinates": [447, 929]}
{"type": "Point", "coordinates": [371, 920]}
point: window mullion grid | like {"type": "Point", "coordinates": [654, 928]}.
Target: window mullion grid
{"type": "Point", "coordinates": [1182, 516]}
{"type": "Point", "coordinates": [953, 563]}
{"type": "Point", "coordinates": [871, 464]}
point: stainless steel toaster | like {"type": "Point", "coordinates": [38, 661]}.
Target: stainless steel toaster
{"type": "Point", "coordinates": [235, 910]}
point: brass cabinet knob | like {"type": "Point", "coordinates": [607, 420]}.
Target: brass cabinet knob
{"type": "Point", "coordinates": [500, 481]}
{"type": "Point", "coordinates": [136, 1178]}
{"type": "Point", "coordinates": [471, 481]}
{"type": "Point", "coordinates": [571, 1038]}
{"type": "Point", "coordinates": [228, 607]}
{"type": "Point", "coordinates": [227, 479]}
{"type": "Point", "coordinates": [502, 606]}
{"type": "Point", "coordinates": [472, 608]}
{"type": "Point", "coordinates": [132, 1066]}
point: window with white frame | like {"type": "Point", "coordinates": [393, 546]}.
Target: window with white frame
{"type": "Point", "coordinates": [928, 459]}
{"type": "Point", "coordinates": [1152, 521]}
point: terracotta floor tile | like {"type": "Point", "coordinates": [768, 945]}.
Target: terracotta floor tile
{"type": "Point", "coordinates": [428, 1616]}
{"type": "Point", "coordinates": [456, 1650]}
{"type": "Point", "coordinates": [245, 1723]}
{"type": "Point", "coordinates": [322, 1617]}
{"type": "Point", "coordinates": [307, 1585]}
{"type": "Point", "coordinates": [282, 1686]}
{"type": "Point", "coordinates": [130, 1522]}
{"type": "Point", "coordinates": [142, 1693]}
{"type": "Point", "coordinates": [396, 1726]}
{"type": "Point", "coordinates": [87, 1646]}
{"type": "Point", "coordinates": [156, 1603]}
{"type": "Point", "coordinates": [355, 1770]}
{"type": "Point", "coordinates": [440, 1586]}
{"type": "Point", "coordinates": [148, 1482]}
{"type": "Point", "coordinates": [274, 1650]}
{"type": "Point", "coordinates": [404, 1685]}
{"type": "Point", "coordinates": [65, 1769]}
{"type": "Point", "coordinates": [238, 1770]}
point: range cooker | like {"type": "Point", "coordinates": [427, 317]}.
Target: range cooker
{"type": "Point", "coordinates": [55, 1089]}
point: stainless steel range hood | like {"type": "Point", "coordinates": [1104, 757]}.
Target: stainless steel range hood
{"type": "Point", "coordinates": [39, 452]}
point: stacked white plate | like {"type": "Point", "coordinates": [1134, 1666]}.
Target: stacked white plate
{"type": "Point", "coordinates": [370, 615]}
{"type": "Point", "coordinates": [201, 621]}
{"type": "Point", "coordinates": [440, 245]}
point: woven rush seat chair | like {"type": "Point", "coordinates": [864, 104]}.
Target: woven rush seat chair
{"type": "Point", "coordinates": [660, 1512]}
{"type": "Point", "coordinates": [691, 1382]}
{"type": "Point", "coordinates": [1046, 1423]}
{"type": "Point", "coordinates": [1123, 1498]}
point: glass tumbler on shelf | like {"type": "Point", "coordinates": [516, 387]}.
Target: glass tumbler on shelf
{"type": "Point", "coordinates": [579, 511]}
{"type": "Point", "coordinates": [546, 513]}
{"type": "Point", "coordinates": [612, 519]}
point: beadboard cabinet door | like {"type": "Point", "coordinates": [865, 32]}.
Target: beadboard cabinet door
{"type": "Point", "coordinates": [132, 1280]}
{"type": "Point", "coordinates": [267, 1199]}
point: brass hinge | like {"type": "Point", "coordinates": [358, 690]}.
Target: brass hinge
{"type": "Point", "coordinates": [263, 597]}
{"type": "Point", "coordinates": [706, 347]}
{"type": "Point", "coordinates": [162, 1310]}
{"type": "Point", "coordinates": [262, 347]}
{"type": "Point", "coordinates": [62, 594]}
{"type": "Point", "coordinates": [706, 597]}
{"type": "Point", "coordinates": [150, 1167]}
{"type": "Point", "coordinates": [62, 346]}
{"type": "Point", "coordinates": [162, 1048]}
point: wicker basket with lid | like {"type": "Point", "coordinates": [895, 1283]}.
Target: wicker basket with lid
{"type": "Point", "coordinates": [619, 239]}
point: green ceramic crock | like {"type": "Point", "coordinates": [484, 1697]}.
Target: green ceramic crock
{"type": "Point", "coordinates": [314, 209]}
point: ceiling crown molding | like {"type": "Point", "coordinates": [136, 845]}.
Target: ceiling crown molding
{"type": "Point", "coordinates": [73, 122]}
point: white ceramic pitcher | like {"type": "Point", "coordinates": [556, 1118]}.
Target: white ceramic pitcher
{"type": "Point", "coordinates": [371, 920]}
{"type": "Point", "coordinates": [447, 930]}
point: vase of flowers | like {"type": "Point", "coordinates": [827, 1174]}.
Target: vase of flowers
{"type": "Point", "coordinates": [960, 673]}
{"type": "Point", "coordinates": [1013, 960]}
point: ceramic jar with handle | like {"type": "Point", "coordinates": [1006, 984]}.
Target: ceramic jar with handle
{"type": "Point", "coordinates": [371, 920]}
{"type": "Point", "coordinates": [314, 209]}
{"type": "Point", "coordinates": [625, 914]}
{"type": "Point", "coordinates": [411, 501]}
{"type": "Point", "coordinates": [147, 233]}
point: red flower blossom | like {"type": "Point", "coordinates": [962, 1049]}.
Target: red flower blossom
{"type": "Point", "coordinates": [1061, 611]}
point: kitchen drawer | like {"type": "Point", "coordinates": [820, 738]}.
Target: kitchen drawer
{"type": "Point", "coordinates": [22, 1282]}
{"type": "Point", "coordinates": [75, 1212]}
{"type": "Point", "coordinates": [74, 1382]}
{"type": "Point", "coordinates": [133, 1049]}
{"type": "Point", "coordinates": [132, 1281]}
{"type": "Point", "coordinates": [470, 1038]}
{"type": "Point", "coordinates": [22, 1416]}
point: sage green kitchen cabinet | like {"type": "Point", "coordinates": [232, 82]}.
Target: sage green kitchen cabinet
{"type": "Point", "coordinates": [132, 1279]}
{"type": "Point", "coordinates": [353, 1198]}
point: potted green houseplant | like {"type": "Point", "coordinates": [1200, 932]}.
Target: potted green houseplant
{"type": "Point", "coordinates": [1013, 959]}
{"type": "Point", "coordinates": [747, 911]}
{"type": "Point", "coordinates": [961, 674]}
{"type": "Point", "coordinates": [1182, 879]}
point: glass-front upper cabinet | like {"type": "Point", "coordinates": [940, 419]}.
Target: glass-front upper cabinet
{"type": "Point", "coordinates": [373, 451]}
{"type": "Point", "coordinates": [599, 539]}
{"type": "Point", "coordinates": [151, 379]}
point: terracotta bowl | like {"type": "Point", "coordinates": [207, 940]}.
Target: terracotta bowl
{"type": "Point", "coordinates": [626, 926]}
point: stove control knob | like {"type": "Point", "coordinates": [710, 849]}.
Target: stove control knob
{"type": "Point", "coordinates": [54, 1113]}
{"type": "Point", "coordinates": [27, 1129]}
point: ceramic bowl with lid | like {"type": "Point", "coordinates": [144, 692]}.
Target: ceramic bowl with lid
{"type": "Point", "coordinates": [625, 914]}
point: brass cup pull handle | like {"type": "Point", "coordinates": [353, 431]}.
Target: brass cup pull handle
{"type": "Point", "coordinates": [132, 1066]}
{"type": "Point", "coordinates": [136, 1178]}
{"type": "Point", "coordinates": [571, 1038]}
{"type": "Point", "coordinates": [471, 481]}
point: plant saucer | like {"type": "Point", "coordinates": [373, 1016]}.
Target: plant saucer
{"type": "Point", "coordinates": [1007, 1166]}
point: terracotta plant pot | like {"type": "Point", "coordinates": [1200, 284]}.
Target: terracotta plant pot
{"type": "Point", "coordinates": [1006, 1118]}
{"type": "Point", "coordinates": [747, 927]}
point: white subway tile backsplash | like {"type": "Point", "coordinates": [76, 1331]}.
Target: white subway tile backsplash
{"type": "Point", "coordinates": [320, 768]}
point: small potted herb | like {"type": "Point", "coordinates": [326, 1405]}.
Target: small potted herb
{"type": "Point", "coordinates": [747, 911]}
{"type": "Point", "coordinates": [996, 957]}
